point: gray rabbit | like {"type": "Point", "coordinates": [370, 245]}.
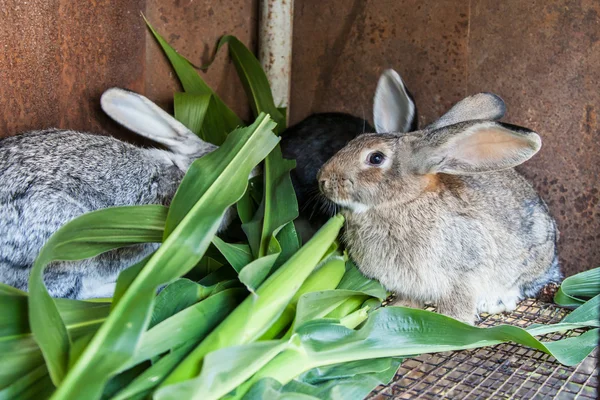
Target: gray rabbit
{"type": "Point", "coordinates": [314, 140]}
{"type": "Point", "coordinates": [440, 215]}
{"type": "Point", "coordinates": [49, 177]}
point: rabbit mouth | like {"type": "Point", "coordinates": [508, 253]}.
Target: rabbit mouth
{"type": "Point", "coordinates": [353, 206]}
{"type": "Point", "coordinates": [343, 200]}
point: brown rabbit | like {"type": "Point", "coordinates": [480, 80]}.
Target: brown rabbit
{"type": "Point", "coordinates": [440, 215]}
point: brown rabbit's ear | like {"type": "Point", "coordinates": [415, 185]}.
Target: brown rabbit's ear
{"type": "Point", "coordinates": [482, 106]}
{"type": "Point", "coordinates": [394, 110]}
{"type": "Point", "coordinates": [476, 146]}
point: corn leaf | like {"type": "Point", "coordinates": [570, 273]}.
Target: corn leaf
{"type": "Point", "coordinates": [253, 274]}
{"type": "Point", "coordinates": [181, 294]}
{"type": "Point", "coordinates": [253, 317]}
{"type": "Point", "coordinates": [253, 79]}
{"type": "Point", "coordinates": [187, 326]}
{"type": "Point", "coordinates": [34, 385]}
{"type": "Point", "coordinates": [576, 289]}
{"type": "Point", "coordinates": [230, 155]}
{"type": "Point", "coordinates": [152, 377]}
{"type": "Point", "coordinates": [400, 331]}
{"type": "Point", "coordinates": [326, 277]}
{"type": "Point", "coordinates": [219, 120]}
{"type": "Point", "coordinates": [217, 379]}
{"type": "Point", "coordinates": [271, 389]}
{"type": "Point", "coordinates": [190, 110]}
{"type": "Point", "coordinates": [9, 290]}
{"type": "Point", "coordinates": [354, 380]}
{"type": "Point", "coordinates": [238, 255]}
{"type": "Point", "coordinates": [279, 206]}
{"type": "Point", "coordinates": [226, 168]}
{"type": "Point", "coordinates": [354, 280]}
{"type": "Point", "coordinates": [85, 236]}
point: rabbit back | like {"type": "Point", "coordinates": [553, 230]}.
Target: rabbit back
{"type": "Point", "coordinates": [47, 178]}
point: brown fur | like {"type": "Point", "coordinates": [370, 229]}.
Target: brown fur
{"type": "Point", "coordinates": [438, 224]}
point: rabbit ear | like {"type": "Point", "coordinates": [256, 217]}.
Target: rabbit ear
{"type": "Point", "coordinates": [485, 106]}
{"type": "Point", "coordinates": [138, 114]}
{"type": "Point", "coordinates": [394, 110]}
{"type": "Point", "coordinates": [474, 147]}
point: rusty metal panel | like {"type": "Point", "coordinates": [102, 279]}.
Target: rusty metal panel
{"type": "Point", "coordinates": [57, 57]}
{"type": "Point", "coordinates": [340, 48]}
{"type": "Point", "coordinates": [542, 58]}
{"type": "Point", "coordinates": [193, 29]}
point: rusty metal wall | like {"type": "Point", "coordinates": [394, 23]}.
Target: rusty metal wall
{"type": "Point", "coordinates": [58, 56]}
{"type": "Point", "coordinates": [543, 58]}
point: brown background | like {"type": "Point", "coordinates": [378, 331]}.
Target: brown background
{"type": "Point", "coordinates": [542, 57]}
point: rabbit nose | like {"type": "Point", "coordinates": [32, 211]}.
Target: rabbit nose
{"type": "Point", "coordinates": [322, 183]}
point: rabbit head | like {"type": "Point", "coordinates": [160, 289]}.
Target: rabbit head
{"type": "Point", "coordinates": [394, 167]}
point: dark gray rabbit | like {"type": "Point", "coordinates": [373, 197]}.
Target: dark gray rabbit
{"type": "Point", "coordinates": [49, 177]}
{"type": "Point", "coordinates": [441, 216]}
{"type": "Point", "coordinates": [318, 137]}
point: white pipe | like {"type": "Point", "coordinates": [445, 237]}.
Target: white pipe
{"type": "Point", "coordinates": [275, 46]}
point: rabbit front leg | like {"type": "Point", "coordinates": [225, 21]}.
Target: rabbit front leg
{"type": "Point", "coordinates": [403, 301]}
{"type": "Point", "coordinates": [460, 304]}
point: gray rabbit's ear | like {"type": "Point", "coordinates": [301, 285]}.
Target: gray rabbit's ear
{"type": "Point", "coordinates": [474, 147]}
{"type": "Point", "coordinates": [484, 106]}
{"type": "Point", "coordinates": [138, 114]}
{"type": "Point", "coordinates": [393, 109]}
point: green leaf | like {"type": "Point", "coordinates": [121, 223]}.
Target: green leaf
{"type": "Point", "coordinates": [398, 332]}
{"type": "Point", "coordinates": [253, 317]}
{"type": "Point", "coordinates": [238, 255]}
{"type": "Point", "coordinates": [85, 236]}
{"type": "Point", "coordinates": [218, 378]}
{"type": "Point", "coordinates": [120, 381]}
{"type": "Point", "coordinates": [587, 312]}
{"type": "Point", "coordinates": [576, 289]}
{"type": "Point", "coordinates": [180, 295]}
{"type": "Point", "coordinates": [318, 304]}
{"type": "Point", "coordinates": [190, 110]}
{"type": "Point", "coordinates": [126, 277]}
{"type": "Point", "coordinates": [219, 120]}
{"type": "Point", "coordinates": [213, 183]}
{"type": "Point", "coordinates": [271, 389]}
{"type": "Point", "coordinates": [223, 164]}
{"type": "Point", "coordinates": [34, 385]}
{"type": "Point", "coordinates": [253, 274]}
{"type": "Point", "coordinates": [254, 80]}
{"type": "Point", "coordinates": [187, 326]}
{"type": "Point", "coordinates": [280, 204]}
{"type": "Point", "coordinates": [354, 280]}
{"type": "Point", "coordinates": [353, 380]}
{"type": "Point", "coordinates": [9, 290]}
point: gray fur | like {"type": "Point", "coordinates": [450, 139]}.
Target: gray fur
{"type": "Point", "coordinates": [49, 177]}
{"type": "Point", "coordinates": [483, 106]}
{"type": "Point", "coordinates": [393, 107]}
{"type": "Point", "coordinates": [470, 235]}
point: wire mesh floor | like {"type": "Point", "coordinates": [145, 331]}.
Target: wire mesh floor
{"type": "Point", "coordinates": [505, 371]}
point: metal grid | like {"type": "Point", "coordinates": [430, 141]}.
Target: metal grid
{"type": "Point", "coordinates": [505, 371]}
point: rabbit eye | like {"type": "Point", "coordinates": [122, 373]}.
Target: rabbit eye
{"type": "Point", "coordinates": [375, 158]}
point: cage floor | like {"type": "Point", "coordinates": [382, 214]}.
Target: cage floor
{"type": "Point", "coordinates": [505, 371]}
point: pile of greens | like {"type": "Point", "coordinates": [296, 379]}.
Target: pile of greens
{"type": "Point", "coordinates": [260, 316]}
